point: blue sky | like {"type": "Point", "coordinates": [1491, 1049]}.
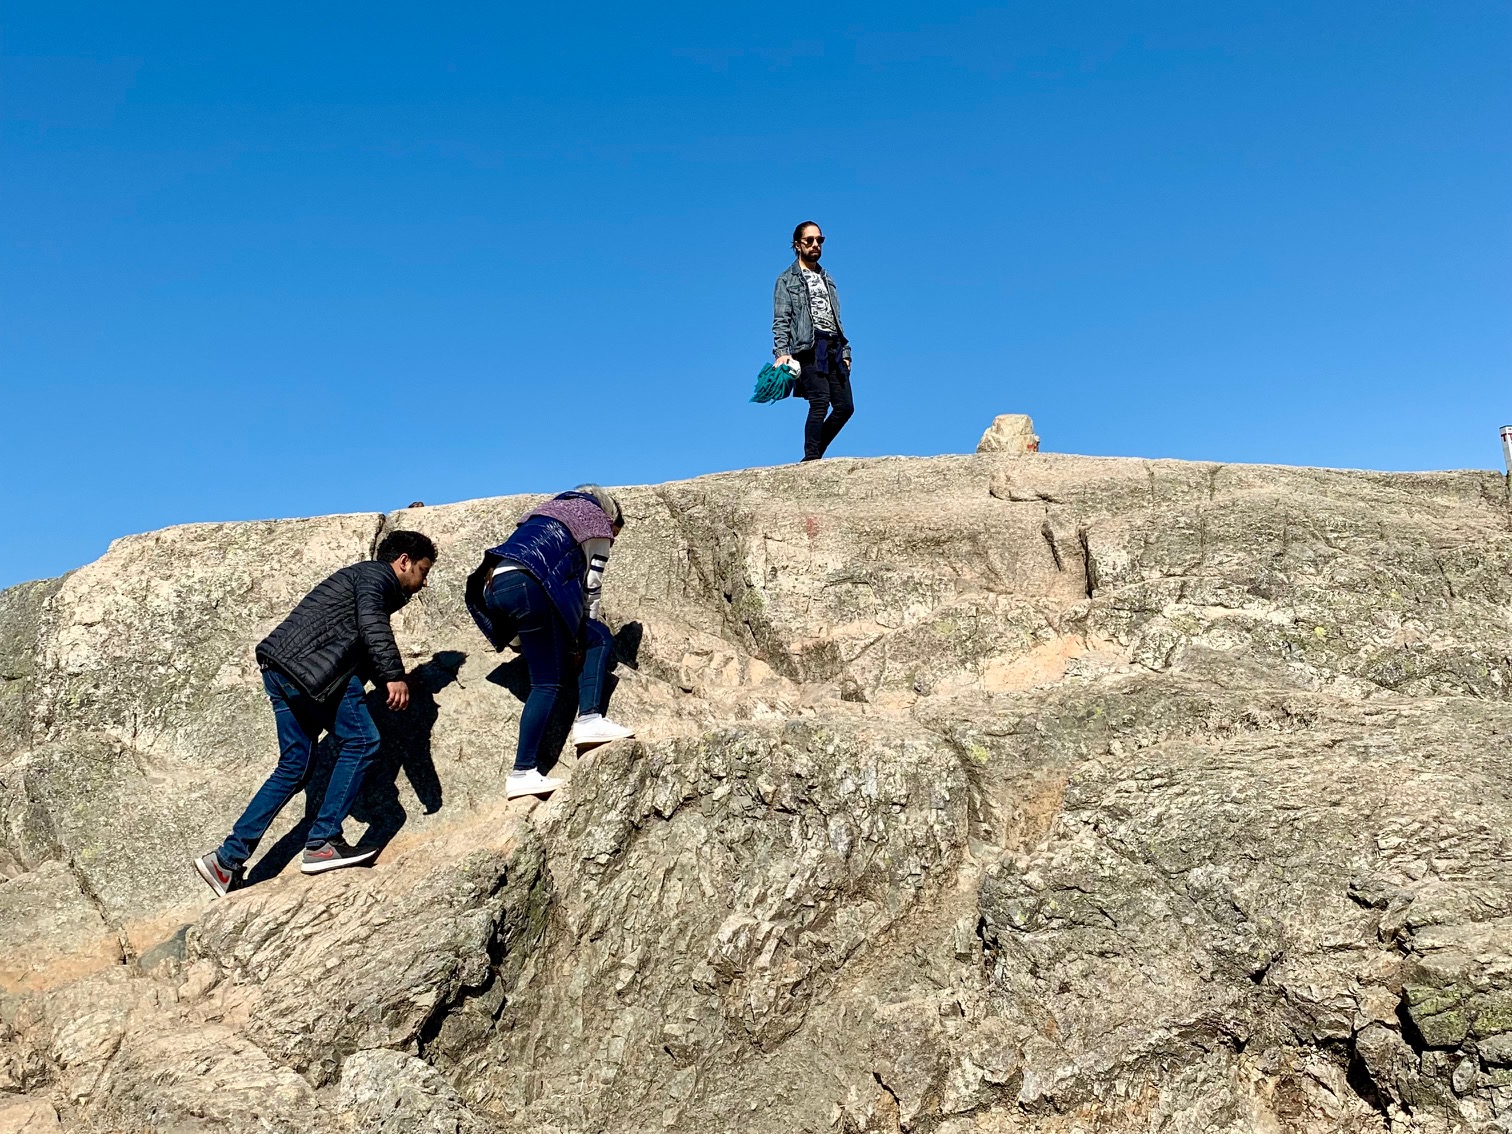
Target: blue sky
{"type": "Point", "coordinates": [273, 260]}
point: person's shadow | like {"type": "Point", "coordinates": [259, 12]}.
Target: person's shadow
{"type": "Point", "coordinates": [627, 644]}
{"type": "Point", "coordinates": [405, 744]}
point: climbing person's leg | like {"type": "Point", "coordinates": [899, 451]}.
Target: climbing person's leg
{"type": "Point", "coordinates": [591, 726]}
{"type": "Point", "coordinates": [357, 742]}
{"type": "Point", "coordinates": [299, 726]}
{"type": "Point", "coordinates": [543, 641]}
{"type": "Point", "coordinates": [593, 682]}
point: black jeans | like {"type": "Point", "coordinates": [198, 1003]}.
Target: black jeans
{"type": "Point", "coordinates": [825, 382]}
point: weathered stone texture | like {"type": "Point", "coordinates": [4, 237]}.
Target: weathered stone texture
{"type": "Point", "coordinates": [969, 794]}
{"type": "Point", "coordinates": [1009, 433]}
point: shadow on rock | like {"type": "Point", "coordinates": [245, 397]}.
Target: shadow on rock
{"type": "Point", "coordinates": [627, 644]}
{"type": "Point", "coordinates": [406, 747]}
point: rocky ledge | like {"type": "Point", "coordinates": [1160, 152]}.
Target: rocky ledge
{"type": "Point", "coordinates": [986, 793]}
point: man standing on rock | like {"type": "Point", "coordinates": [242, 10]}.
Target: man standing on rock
{"type": "Point", "coordinates": [806, 329]}
{"type": "Point", "coordinates": [313, 665]}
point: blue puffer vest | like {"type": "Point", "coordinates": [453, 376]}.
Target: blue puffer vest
{"type": "Point", "coordinates": [546, 549]}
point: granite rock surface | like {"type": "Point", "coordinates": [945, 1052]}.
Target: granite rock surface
{"type": "Point", "coordinates": [969, 794]}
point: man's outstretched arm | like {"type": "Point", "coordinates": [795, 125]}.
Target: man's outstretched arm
{"type": "Point", "coordinates": [378, 638]}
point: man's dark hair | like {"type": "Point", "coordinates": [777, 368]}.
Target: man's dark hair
{"type": "Point", "coordinates": [797, 232]}
{"type": "Point", "coordinates": [413, 544]}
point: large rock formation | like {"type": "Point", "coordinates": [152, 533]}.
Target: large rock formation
{"type": "Point", "coordinates": [981, 793]}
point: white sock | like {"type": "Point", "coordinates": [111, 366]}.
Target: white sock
{"type": "Point", "coordinates": [589, 718]}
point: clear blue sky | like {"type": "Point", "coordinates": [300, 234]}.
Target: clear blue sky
{"type": "Point", "coordinates": [272, 260]}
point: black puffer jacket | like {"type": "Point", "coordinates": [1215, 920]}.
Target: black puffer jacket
{"type": "Point", "coordinates": [339, 629]}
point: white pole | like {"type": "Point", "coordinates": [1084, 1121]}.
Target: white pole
{"type": "Point", "coordinates": [1506, 434]}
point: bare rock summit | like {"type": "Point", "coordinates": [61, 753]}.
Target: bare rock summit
{"type": "Point", "coordinates": [969, 794]}
{"type": "Point", "coordinates": [1009, 433]}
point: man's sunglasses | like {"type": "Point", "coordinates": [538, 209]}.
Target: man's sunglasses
{"type": "Point", "coordinates": [811, 240]}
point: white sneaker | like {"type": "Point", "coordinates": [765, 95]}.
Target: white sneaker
{"type": "Point", "coordinates": [597, 729]}
{"type": "Point", "coordinates": [532, 782]}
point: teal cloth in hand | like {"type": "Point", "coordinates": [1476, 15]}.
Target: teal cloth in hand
{"type": "Point", "coordinates": [774, 383]}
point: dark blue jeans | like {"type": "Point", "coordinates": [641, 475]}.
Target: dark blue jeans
{"type": "Point", "coordinates": [301, 719]}
{"type": "Point", "coordinates": [824, 379]}
{"type": "Point", "coordinates": [516, 600]}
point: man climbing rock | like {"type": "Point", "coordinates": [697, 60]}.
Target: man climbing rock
{"type": "Point", "coordinates": [806, 329]}
{"type": "Point", "coordinates": [313, 666]}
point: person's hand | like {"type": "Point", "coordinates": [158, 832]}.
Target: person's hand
{"type": "Point", "coordinates": [398, 695]}
{"type": "Point", "coordinates": [782, 359]}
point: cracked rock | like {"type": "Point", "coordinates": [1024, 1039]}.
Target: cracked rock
{"type": "Point", "coordinates": [968, 794]}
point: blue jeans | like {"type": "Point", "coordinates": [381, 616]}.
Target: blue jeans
{"type": "Point", "coordinates": [516, 600]}
{"type": "Point", "coordinates": [301, 719]}
{"type": "Point", "coordinates": [598, 660]}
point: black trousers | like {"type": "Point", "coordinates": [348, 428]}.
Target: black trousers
{"type": "Point", "coordinates": [825, 382]}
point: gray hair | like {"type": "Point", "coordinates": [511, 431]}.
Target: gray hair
{"type": "Point", "coordinates": [605, 499]}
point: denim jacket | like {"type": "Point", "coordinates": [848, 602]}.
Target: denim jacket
{"type": "Point", "coordinates": [792, 323]}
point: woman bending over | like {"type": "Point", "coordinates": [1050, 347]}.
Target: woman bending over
{"type": "Point", "coordinates": [541, 588]}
